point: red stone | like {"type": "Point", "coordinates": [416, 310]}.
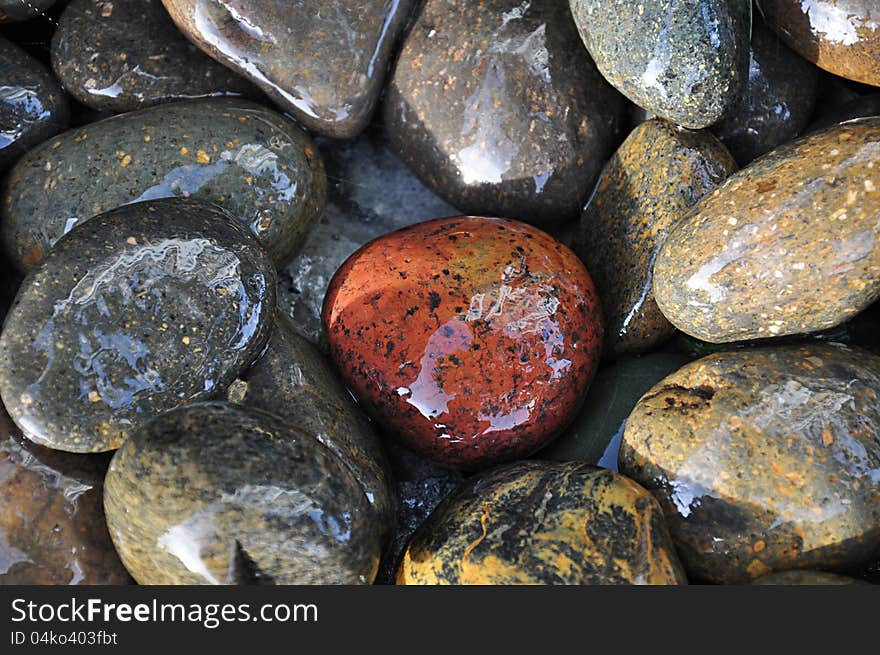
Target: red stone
{"type": "Point", "coordinates": [472, 340]}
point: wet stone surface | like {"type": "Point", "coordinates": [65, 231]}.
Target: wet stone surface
{"type": "Point", "coordinates": [294, 381]}
{"type": "Point", "coordinates": [52, 529]}
{"type": "Point", "coordinates": [542, 523]}
{"type": "Point", "coordinates": [33, 106]}
{"type": "Point", "coordinates": [764, 460]}
{"type": "Point", "coordinates": [684, 61]}
{"type": "Point", "coordinates": [496, 106]}
{"type": "Point", "coordinates": [137, 311]}
{"type": "Point", "coordinates": [325, 62]}
{"type": "Point", "coordinates": [215, 493]}
{"type": "Point", "coordinates": [473, 340]}
{"type": "Point", "coordinates": [786, 246]}
{"type": "Point", "coordinates": [234, 153]}
{"type": "Point", "coordinates": [127, 54]}
{"type": "Point", "coordinates": [13, 11]}
{"type": "Point", "coordinates": [776, 101]}
{"type": "Point", "coordinates": [594, 435]}
{"type": "Point", "coordinates": [841, 36]}
{"type": "Point", "coordinates": [649, 184]}
{"type": "Point", "coordinates": [370, 193]}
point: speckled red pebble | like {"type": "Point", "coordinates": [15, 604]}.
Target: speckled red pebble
{"type": "Point", "coordinates": [473, 340]}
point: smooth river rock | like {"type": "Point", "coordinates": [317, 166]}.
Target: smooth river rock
{"type": "Point", "coordinates": [215, 493]}
{"type": "Point", "coordinates": [473, 340]}
{"type": "Point", "coordinates": [649, 184]}
{"type": "Point", "coordinates": [13, 11]}
{"type": "Point", "coordinates": [776, 102]}
{"type": "Point", "coordinates": [127, 54]}
{"type": "Point", "coordinates": [52, 528]}
{"type": "Point", "coordinates": [594, 435]}
{"type": "Point", "coordinates": [33, 106]}
{"type": "Point", "coordinates": [764, 460]}
{"type": "Point", "coordinates": [497, 107]}
{"type": "Point", "coordinates": [543, 523]}
{"type": "Point", "coordinates": [788, 245]}
{"type": "Point", "coordinates": [324, 61]}
{"type": "Point", "coordinates": [685, 61]}
{"type": "Point", "coordinates": [234, 153]}
{"type": "Point", "coordinates": [294, 381]}
{"type": "Point", "coordinates": [841, 36]}
{"type": "Point", "coordinates": [137, 311]}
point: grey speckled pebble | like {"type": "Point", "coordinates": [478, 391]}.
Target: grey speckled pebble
{"type": "Point", "coordinates": [293, 380]}
{"type": "Point", "coordinates": [776, 103]}
{"type": "Point", "coordinates": [137, 311]}
{"type": "Point", "coordinates": [684, 61]}
{"type": "Point", "coordinates": [127, 54]}
{"type": "Point", "coordinates": [214, 493]}
{"type": "Point", "coordinates": [33, 106]}
{"type": "Point", "coordinates": [235, 153]}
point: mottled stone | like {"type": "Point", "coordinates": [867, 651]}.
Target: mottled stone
{"type": "Point", "coordinates": [858, 107]}
{"type": "Point", "coordinates": [12, 11]}
{"type": "Point", "coordinates": [764, 460]}
{"type": "Point", "coordinates": [421, 485]}
{"type": "Point", "coordinates": [52, 528]}
{"type": "Point", "coordinates": [594, 436]}
{"type": "Point", "coordinates": [324, 61]}
{"type": "Point", "coordinates": [214, 493]}
{"type": "Point", "coordinates": [649, 184]}
{"type": "Point", "coordinates": [294, 381]}
{"type": "Point", "coordinates": [841, 36]}
{"type": "Point", "coordinates": [473, 340]}
{"type": "Point", "coordinates": [137, 311]}
{"type": "Point", "coordinates": [776, 102]}
{"type": "Point", "coordinates": [496, 106]}
{"type": "Point", "coordinates": [542, 523]}
{"type": "Point", "coordinates": [33, 106]}
{"type": "Point", "coordinates": [370, 193]}
{"type": "Point", "coordinates": [787, 245]}
{"type": "Point", "coordinates": [234, 153]}
{"type": "Point", "coordinates": [684, 61]}
{"type": "Point", "coordinates": [127, 54]}
{"type": "Point", "coordinates": [807, 578]}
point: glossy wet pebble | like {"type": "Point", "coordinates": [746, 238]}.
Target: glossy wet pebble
{"type": "Point", "coordinates": [294, 381]}
{"type": "Point", "coordinates": [541, 523]}
{"type": "Point", "coordinates": [137, 311]}
{"type": "Point", "coordinates": [473, 340]}
{"type": "Point", "coordinates": [13, 11]}
{"type": "Point", "coordinates": [810, 578]}
{"type": "Point", "coordinates": [594, 435]}
{"type": "Point", "coordinates": [684, 61]}
{"type": "Point", "coordinates": [764, 460]}
{"type": "Point", "coordinates": [127, 54]}
{"type": "Point", "coordinates": [323, 61]}
{"type": "Point", "coordinates": [649, 184]}
{"type": "Point", "coordinates": [776, 102]}
{"type": "Point", "coordinates": [498, 109]}
{"type": "Point", "coordinates": [33, 106]}
{"type": "Point", "coordinates": [841, 36]}
{"type": "Point", "coordinates": [785, 246]}
{"type": "Point", "coordinates": [214, 493]}
{"type": "Point", "coordinates": [52, 528]}
{"type": "Point", "coordinates": [253, 162]}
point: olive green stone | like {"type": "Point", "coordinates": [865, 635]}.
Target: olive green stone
{"type": "Point", "coordinates": [128, 54]}
{"type": "Point", "coordinates": [214, 493]}
{"type": "Point", "coordinates": [544, 523]}
{"type": "Point", "coordinates": [594, 435]}
{"type": "Point", "coordinates": [683, 61]}
{"type": "Point", "coordinates": [293, 380]}
{"type": "Point", "coordinates": [786, 246]}
{"type": "Point", "coordinates": [137, 311]}
{"type": "Point", "coordinates": [234, 153]}
{"type": "Point", "coordinates": [649, 184]}
{"type": "Point", "coordinates": [52, 529]}
{"type": "Point", "coordinates": [324, 61]}
{"type": "Point", "coordinates": [764, 460]}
